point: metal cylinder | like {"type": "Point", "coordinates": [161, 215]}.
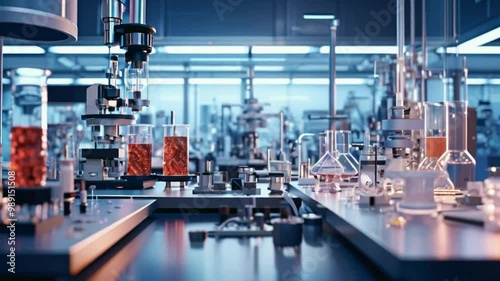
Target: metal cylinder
{"type": "Point", "coordinates": [111, 15]}
{"type": "Point", "coordinates": [49, 21]}
{"type": "Point", "coordinates": [138, 11]}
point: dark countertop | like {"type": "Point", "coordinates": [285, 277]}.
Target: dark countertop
{"type": "Point", "coordinates": [426, 248]}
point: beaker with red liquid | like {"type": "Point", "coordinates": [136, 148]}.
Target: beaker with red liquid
{"type": "Point", "coordinates": [140, 149]}
{"type": "Point", "coordinates": [175, 150]}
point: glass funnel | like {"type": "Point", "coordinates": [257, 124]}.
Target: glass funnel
{"type": "Point", "coordinates": [435, 142]}
{"type": "Point", "coordinates": [457, 160]}
{"type": "Point", "coordinates": [346, 159]}
{"type": "Point", "coordinates": [328, 169]}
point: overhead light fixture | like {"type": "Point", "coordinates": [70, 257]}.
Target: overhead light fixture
{"type": "Point", "coordinates": [237, 59]}
{"type": "Point", "coordinates": [481, 50]}
{"type": "Point", "coordinates": [166, 68]}
{"type": "Point", "coordinates": [5, 80]}
{"type": "Point", "coordinates": [318, 17]}
{"type": "Point", "coordinates": [22, 49]}
{"type": "Point", "coordinates": [204, 50]}
{"type": "Point", "coordinates": [215, 68]}
{"type": "Point", "coordinates": [482, 39]}
{"type": "Point", "coordinates": [32, 72]}
{"type": "Point", "coordinates": [271, 81]}
{"type": "Point", "coordinates": [269, 68]}
{"type": "Point", "coordinates": [483, 81]}
{"type": "Point", "coordinates": [91, 81]}
{"type": "Point", "coordinates": [285, 50]}
{"type": "Point", "coordinates": [362, 50]}
{"type": "Point", "coordinates": [166, 81]}
{"type": "Point", "coordinates": [326, 81]}
{"type": "Point", "coordinates": [67, 62]}
{"type": "Point", "coordinates": [95, 68]}
{"type": "Point", "coordinates": [215, 81]}
{"type": "Point", "coordinates": [60, 81]}
{"type": "Point", "coordinates": [85, 50]}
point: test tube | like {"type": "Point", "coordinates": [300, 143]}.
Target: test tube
{"type": "Point", "coordinates": [435, 129]}
{"type": "Point", "coordinates": [140, 147]}
{"type": "Point", "coordinates": [175, 149]}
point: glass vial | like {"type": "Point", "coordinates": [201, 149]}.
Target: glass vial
{"type": "Point", "coordinates": [139, 150]}
{"type": "Point", "coordinates": [175, 150]}
{"type": "Point", "coordinates": [457, 160]}
{"type": "Point", "coordinates": [28, 134]}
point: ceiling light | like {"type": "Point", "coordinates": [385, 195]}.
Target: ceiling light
{"type": "Point", "coordinates": [60, 81]}
{"type": "Point", "coordinates": [326, 81]}
{"type": "Point", "coordinates": [271, 81]}
{"type": "Point", "coordinates": [22, 49]}
{"type": "Point", "coordinates": [85, 50]}
{"type": "Point", "coordinates": [482, 39]}
{"type": "Point", "coordinates": [166, 68]}
{"type": "Point", "coordinates": [91, 81]}
{"type": "Point", "coordinates": [482, 50]}
{"type": "Point", "coordinates": [276, 50]}
{"type": "Point", "coordinates": [390, 50]}
{"type": "Point", "coordinates": [5, 81]}
{"type": "Point", "coordinates": [204, 50]}
{"type": "Point", "coordinates": [33, 72]}
{"type": "Point", "coordinates": [216, 68]}
{"type": "Point", "coordinates": [166, 81]}
{"type": "Point", "coordinates": [215, 81]}
{"type": "Point", "coordinates": [318, 17]}
{"type": "Point", "coordinates": [269, 68]}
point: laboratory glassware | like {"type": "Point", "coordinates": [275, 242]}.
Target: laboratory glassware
{"type": "Point", "coordinates": [328, 169]}
{"type": "Point", "coordinates": [175, 150]}
{"type": "Point", "coordinates": [139, 148]}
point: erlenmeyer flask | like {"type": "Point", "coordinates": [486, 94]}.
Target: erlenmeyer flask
{"type": "Point", "coordinates": [328, 169]}
{"type": "Point", "coordinates": [345, 158]}
{"type": "Point", "coordinates": [435, 142]}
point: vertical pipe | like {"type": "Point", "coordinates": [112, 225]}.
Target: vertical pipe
{"type": "Point", "coordinates": [400, 82]}
{"type": "Point", "coordinates": [423, 75]}
{"type": "Point", "coordinates": [138, 11]}
{"type": "Point", "coordinates": [243, 90]}
{"type": "Point", "coordinates": [196, 110]}
{"type": "Point", "coordinates": [251, 74]}
{"type": "Point", "coordinates": [1, 112]}
{"type": "Point", "coordinates": [333, 73]}
{"type": "Point", "coordinates": [186, 95]}
{"type": "Point", "coordinates": [282, 134]}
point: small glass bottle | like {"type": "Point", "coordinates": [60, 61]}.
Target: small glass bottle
{"type": "Point", "coordinates": [28, 134]}
{"type": "Point", "coordinates": [328, 169]}
{"type": "Point", "coordinates": [175, 150]}
{"type": "Point", "coordinates": [140, 149]}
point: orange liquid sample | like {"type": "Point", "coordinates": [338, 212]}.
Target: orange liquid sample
{"type": "Point", "coordinates": [175, 156]}
{"type": "Point", "coordinates": [28, 150]}
{"type": "Point", "coordinates": [139, 159]}
{"type": "Point", "coordinates": [435, 146]}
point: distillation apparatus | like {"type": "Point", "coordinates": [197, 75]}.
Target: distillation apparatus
{"type": "Point", "coordinates": [108, 111]}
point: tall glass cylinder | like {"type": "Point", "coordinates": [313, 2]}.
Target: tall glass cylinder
{"type": "Point", "coordinates": [175, 150]}
{"type": "Point", "coordinates": [29, 126]}
{"type": "Point", "coordinates": [140, 142]}
{"type": "Point", "coordinates": [136, 76]}
{"type": "Point", "coordinates": [457, 160]}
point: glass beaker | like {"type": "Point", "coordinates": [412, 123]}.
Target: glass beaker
{"type": "Point", "coordinates": [491, 208]}
{"type": "Point", "coordinates": [435, 141]}
{"type": "Point", "coordinates": [28, 135]}
{"type": "Point", "coordinates": [457, 160]}
{"type": "Point", "coordinates": [140, 147]}
{"type": "Point", "coordinates": [175, 150]}
{"type": "Point", "coordinates": [328, 169]}
{"type": "Point", "coordinates": [346, 159]}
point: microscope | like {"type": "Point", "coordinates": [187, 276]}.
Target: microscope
{"type": "Point", "coordinates": [109, 111]}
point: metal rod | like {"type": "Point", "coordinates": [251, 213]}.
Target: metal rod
{"type": "Point", "coordinates": [1, 110]}
{"type": "Point", "coordinates": [138, 11]}
{"type": "Point", "coordinates": [400, 84]}
{"type": "Point", "coordinates": [423, 75]}
{"type": "Point", "coordinates": [333, 73]}
{"type": "Point", "coordinates": [172, 117]}
{"type": "Point", "coordinates": [251, 74]}
{"type": "Point", "coordinates": [282, 134]}
{"type": "Point", "coordinates": [186, 95]}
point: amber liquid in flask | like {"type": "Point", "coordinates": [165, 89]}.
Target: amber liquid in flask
{"type": "Point", "coordinates": [435, 146]}
{"type": "Point", "coordinates": [28, 156]}
{"type": "Point", "coordinates": [175, 156]}
{"type": "Point", "coordinates": [139, 159]}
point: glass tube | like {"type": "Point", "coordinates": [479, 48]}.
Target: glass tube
{"type": "Point", "coordinates": [457, 160]}
{"type": "Point", "coordinates": [346, 159]}
{"type": "Point", "coordinates": [140, 139]}
{"type": "Point", "coordinates": [28, 134]}
{"type": "Point", "coordinates": [175, 150]}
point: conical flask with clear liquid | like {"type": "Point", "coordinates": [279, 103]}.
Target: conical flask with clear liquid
{"type": "Point", "coordinates": [435, 142]}
{"type": "Point", "coordinates": [328, 169]}
{"type": "Point", "coordinates": [345, 158]}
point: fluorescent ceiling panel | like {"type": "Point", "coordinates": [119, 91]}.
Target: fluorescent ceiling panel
{"type": "Point", "coordinates": [85, 50]}
{"type": "Point", "coordinates": [166, 81]}
{"type": "Point", "coordinates": [362, 50]}
{"type": "Point", "coordinates": [325, 81]}
{"type": "Point", "coordinates": [271, 81]}
{"type": "Point", "coordinates": [482, 39]}
{"type": "Point", "coordinates": [216, 68]}
{"type": "Point", "coordinates": [60, 81]}
{"type": "Point", "coordinates": [166, 68]}
{"type": "Point", "coordinates": [318, 17]}
{"type": "Point", "coordinates": [22, 49]}
{"type": "Point", "coordinates": [215, 81]}
{"type": "Point", "coordinates": [269, 68]}
{"type": "Point", "coordinates": [204, 50]}
{"type": "Point", "coordinates": [282, 50]}
{"type": "Point", "coordinates": [481, 50]}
